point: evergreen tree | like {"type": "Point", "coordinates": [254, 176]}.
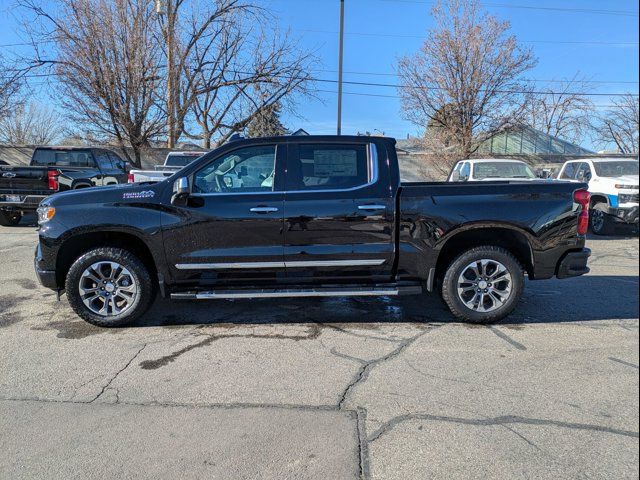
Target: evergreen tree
{"type": "Point", "coordinates": [266, 122]}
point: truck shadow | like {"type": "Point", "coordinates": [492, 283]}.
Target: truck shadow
{"type": "Point", "coordinates": [587, 298]}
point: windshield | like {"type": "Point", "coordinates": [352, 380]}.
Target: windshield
{"type": "Point", "coordinates": [616, 169]}
{"type": "Point", "coordinates": [501, 170]}
{"type": "Point", "coordinates": [180, 160]}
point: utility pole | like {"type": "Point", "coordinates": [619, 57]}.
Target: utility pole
{"type": "Point", "coordinates": [165, 8]}
{"type": "Point", "coordinates": [339, 128]}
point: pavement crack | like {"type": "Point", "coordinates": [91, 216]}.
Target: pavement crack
{"type": "Point", "coordinates": [366, 367]}
{"type": "Point", "coordinates": [108, 384]}
{"type": "Point", "coordinates": [313, 333]}
{"type": "Point", "coordinates": [363, 443]}
{"type": "Point", "coordinates": [499, 421]}
{"type": "Point", "coordinates": [508, 339]}
{"type": "Point", "coordinates": [628, 364]}
{"type": "Point", "coordinates": [333, 351]}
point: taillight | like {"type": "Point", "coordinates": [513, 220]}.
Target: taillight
{"type": "Point", "coordinates": [583, 198]}
{"type": "Point", "coordinates": [52, 176]}
{"type": "Point", "coordinates": [130, 178]}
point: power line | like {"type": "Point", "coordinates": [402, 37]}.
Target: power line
{"type": "Point", "coordinates": [390, 74]}
{"type": "Point", "coordinates": [626, 13]}
{"type": "Point", "coordinates": [395, 85]}
{"type": "Point", "coordinates": [423, 36]}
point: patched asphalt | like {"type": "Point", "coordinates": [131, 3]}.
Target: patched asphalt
{"type": "Point", "coordinates": [380, 388]}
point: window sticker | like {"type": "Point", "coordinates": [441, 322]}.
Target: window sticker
{"type": "Point", "coordinates": [335, 163]}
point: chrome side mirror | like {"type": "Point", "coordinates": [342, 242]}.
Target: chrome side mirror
{"type": "Point", "coordinates": [181, 191]}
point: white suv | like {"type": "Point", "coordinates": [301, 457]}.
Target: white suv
{"type": "Point", "coordinates": [613, 184]}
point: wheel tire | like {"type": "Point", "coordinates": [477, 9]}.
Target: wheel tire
{"type": "Point", "coordinates": [460, 264]}
{"type": "Point", "coordinates": [9, 219]}
{"type": "Point", "coordinates": [139, 273]}
{"type": "Point", "coordinates": [599, 220]}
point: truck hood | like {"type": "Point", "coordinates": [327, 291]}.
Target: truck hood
{"type": "Point", "coordinates": [622, 180]}
{"type": "Point", "coordinates": [122, 193]}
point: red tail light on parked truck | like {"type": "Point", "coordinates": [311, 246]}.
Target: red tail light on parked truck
{"type": "Point", "coordinates": [583, 198]}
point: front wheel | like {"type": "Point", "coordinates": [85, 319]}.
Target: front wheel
{"type": "Point", "coordinates": [600, 221]}
{"type": "Point", "coordinates": [109, 287]}
{"type": "Point", "coordinates": [483, 284]}
{"type": "Point", "coordinates": [9, 219]}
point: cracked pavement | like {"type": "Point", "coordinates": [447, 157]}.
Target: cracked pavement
{"type": "Point", "coordinates": [323, 388]}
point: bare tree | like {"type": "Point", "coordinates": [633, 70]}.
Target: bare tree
{"type": "Point", "coordinates": [466, 79]}
{"type": "Point", "coordinates": [108, 67]}
{"type": "Point", "coordinates": [30, 124]}
{"type": "Point", "coordinates": [11, 83]}
{"type": "Point", "coordinates": [223, 67]}
{"type": "Point", "coordinates": [619, 125]}
{"type": "Point", "coordinates": [562, 111]}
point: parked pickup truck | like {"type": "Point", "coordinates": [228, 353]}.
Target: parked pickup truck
{"type": "Point", "coordinates": [174, 162]}
{"type": "Point", "coordinates": [54, 169]}
{"type": "Point", "coordinates": [613, 184]}
{"type": "Point", "coordinates": [335, 221]}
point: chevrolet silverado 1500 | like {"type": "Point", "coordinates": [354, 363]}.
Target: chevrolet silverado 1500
{"type": "Point", "coordinates": [54, 169]}
{"type": "Point", "coordinates": [308, 216]}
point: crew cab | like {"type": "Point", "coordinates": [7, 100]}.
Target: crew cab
{"type": "Point", "coordinates": [334, 220]}
{"type": "Point", "coordinates": [490, 169]}
{"type": "Point", "coordinates": [174, 162]}
{"type": "Point", "coordinates": [613, 184]}
{"type": "Point", "coordinates": [54, 169]}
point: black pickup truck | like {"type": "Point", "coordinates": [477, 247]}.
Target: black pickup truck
{"type": "Point", "coordinates": [307, 216]}
{"type": "Point", "coordinates": [54, 169]}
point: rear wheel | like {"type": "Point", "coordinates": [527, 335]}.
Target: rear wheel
{"type": "Point", "coordinates": [9, 219]}
{"type": "Point", "coordinates": [599, 220]}
{"type": "Point", "coordinates": [483, 284]}
{"type": "Point", "coordinates": [109, 287]}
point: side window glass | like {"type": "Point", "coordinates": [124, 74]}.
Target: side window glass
{"type": "Point", "coordinates": [328, 167]}
{"type": "Point", "coordinates": [569, 171]}
{"type": "Point", "coordinates": [104, 162]}
{"type": "Point", "coordinates": [465, 172]}
{"type": "Point", "coordinates": [249, 169]}
{"type": "Point", "coordinates": [116, 161]}
{"type": "Point", "coordinates": [43, 157]}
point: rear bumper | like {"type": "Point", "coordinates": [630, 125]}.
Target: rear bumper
{"type": "Point", "coordinates": [573, 264]}
{"type": "Point", "coordinates": [20, 202]}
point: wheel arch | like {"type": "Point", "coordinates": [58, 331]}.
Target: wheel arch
{"type": "Point", "coordinates": [77, 245]}
{"type": "Point", "coordinates": [514, 240]}
{"type": "Point", "coordinates": [598, 198]}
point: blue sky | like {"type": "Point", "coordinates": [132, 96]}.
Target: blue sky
{"type": "Point", "coordinates": [380, 31]}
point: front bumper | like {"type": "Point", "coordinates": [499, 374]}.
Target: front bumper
{"type": "Point", "coordinates": [47, 278]}
{"type": "Point", "coordinates": [573, 264]}
{"type": "Point", "coordinates": [625, 215]}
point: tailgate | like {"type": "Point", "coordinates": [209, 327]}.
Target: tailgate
{"type": "Point", "coordinates": [150, 175]}
{"type": "Point", "coordinates": [24, 180]}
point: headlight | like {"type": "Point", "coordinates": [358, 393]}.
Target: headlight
{"type": "Point", "coordinates": [623, 186]}
{"type": "Point", "coordinates": [45, 213]}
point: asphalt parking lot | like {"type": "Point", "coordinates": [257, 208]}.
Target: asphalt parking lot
{"type": "Point", "coordinates": [323, 388]}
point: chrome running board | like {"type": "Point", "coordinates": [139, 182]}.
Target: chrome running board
{"type": "Point", "coordinates": [298, 292]}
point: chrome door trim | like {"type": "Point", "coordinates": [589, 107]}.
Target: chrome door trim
{"type": "Point", "coordinates": [334, 263]}
{"type": "Point", "coordinates": [372, 207]}
{"type": "Point", "coordinates": [263, 209]}
{"type": "Point", "coordinates": [224, 266]}
{"type": "Point", "coordinates": [292, 264]}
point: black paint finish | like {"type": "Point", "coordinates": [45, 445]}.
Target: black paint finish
{"type": "Point", "coordinates": [418, 230]}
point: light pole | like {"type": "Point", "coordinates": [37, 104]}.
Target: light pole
{"type": "Point", "coordinates": [339, 127]}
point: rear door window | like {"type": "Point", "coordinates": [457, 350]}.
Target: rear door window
{"type": "Point", "coordinates": [103, 159]}
{"type": "Point", "coordinates": [569, 172]}
{"type": "Point", "coordinates": [328, 167]}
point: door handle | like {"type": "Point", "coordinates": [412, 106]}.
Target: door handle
{"type": "Point", "coordinates": [372, 207]}
{"type": "Point", "coordinates": [263, 209]}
